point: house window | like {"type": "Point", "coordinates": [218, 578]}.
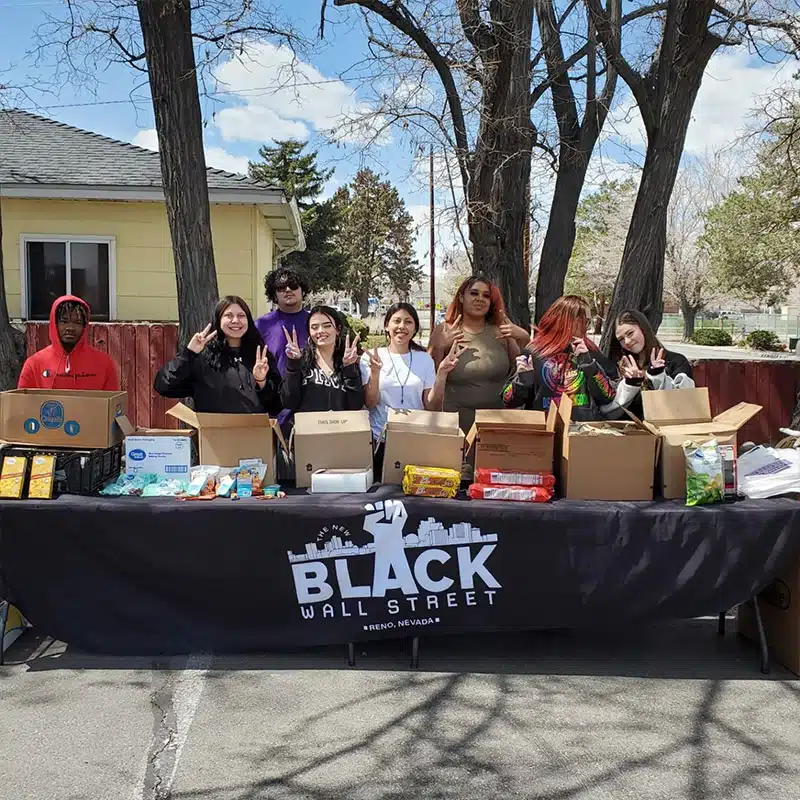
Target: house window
{"type": "Point", "coordinates": [57, 266]}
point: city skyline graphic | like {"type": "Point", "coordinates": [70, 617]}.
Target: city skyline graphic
{"type": "Point", "coordinates": [430, 533]}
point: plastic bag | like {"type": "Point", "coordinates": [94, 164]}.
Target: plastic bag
{"type": "Point", "coordinates": [705, 479]}
{"type": "Point", "coordinates": [519, 494]}
{"type": "Point", "coordinates": [495, 477]}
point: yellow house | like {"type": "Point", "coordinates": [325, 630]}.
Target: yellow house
{"type": "Point", "coordinates": [84, 214]}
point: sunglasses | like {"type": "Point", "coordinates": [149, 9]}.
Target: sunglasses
{"type": "Point", "coordinates": [292, 286]}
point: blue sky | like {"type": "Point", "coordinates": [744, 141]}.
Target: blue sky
{"type": "Point", "coordinates": [245, 115]}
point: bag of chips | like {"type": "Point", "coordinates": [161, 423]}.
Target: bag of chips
{"type": "Point", "coordinates": [705, 478]}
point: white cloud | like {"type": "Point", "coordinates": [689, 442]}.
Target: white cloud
{"type": "Point", "coordinates": [215, 156]}
{"type": "Point", "coordinates": [283, 96]}
{"type": "Point", "coordinates": [731, 88]}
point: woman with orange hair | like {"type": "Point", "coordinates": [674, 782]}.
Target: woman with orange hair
{"type": "Point", "coordinates": [562, 360]}
{"type": "Point", "coordinates": [477, 320]}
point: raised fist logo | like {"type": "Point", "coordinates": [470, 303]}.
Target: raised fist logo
{"type": "Point", "coordinates": [386, 521]}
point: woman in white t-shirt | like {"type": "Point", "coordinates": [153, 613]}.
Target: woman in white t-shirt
{"type": "Point", "coordinates": [402, 375]}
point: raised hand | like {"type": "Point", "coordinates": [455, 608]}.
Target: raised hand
{"type": "Point", "coordinates": [293, 350]}
{"type": "Point", "coordinates": [199, 341]}
{"type": "Point", "coordinates": [375, 363]}
{"type": "Point", "coordinates": [505, 328]}
{"type": "Point", "coordinates": [579, 346]}
{"type": "Point", "coordinates": [350, 351]}
{"type": "Point", "coordinates": [523, 364]}
{"type": "Point", "coordinates": [261, 367]}
{"type": "Point", "coordinates": [629, 369]}
{"type": "Point", "coordinates": [657, 359]}
{"type": "Point", "coordinates": [451, 333]}
{"type": "Point", "coordinates": [450, 361]}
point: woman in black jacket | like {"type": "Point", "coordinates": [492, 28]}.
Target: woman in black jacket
{"type": "Point", "coordinates": [225, 368]}
{"type": "Point", "coordinates": [325, 374]}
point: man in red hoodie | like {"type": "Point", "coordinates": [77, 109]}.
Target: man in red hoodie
{"type": "Point", "coordinates": [69, 362]}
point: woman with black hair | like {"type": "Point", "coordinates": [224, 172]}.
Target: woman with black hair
{"type": "Point", "coordinates": [643, 364]}
{"type": "Point", "coordinates": [324, 375]}
{"type": "Point", "coordinates": [225, 368]}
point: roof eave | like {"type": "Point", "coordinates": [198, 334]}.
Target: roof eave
{"type": "Point", "coordinates": [287, 228]}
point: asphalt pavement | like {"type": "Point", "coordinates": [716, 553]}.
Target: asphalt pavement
{"type": "Point", "coordinates": [669, 711]}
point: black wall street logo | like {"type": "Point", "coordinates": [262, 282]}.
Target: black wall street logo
{"type": "Point", "coordinates": [396, 579]}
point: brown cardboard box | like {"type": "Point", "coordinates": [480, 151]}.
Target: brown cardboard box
{"type": "Point", "coordinates": [330, 440]}
{"type": "Point", "coordinates": [224, 439]}
{"type": "Point", "coordinates": [604, 467]}
{"type": "Point", "coordinates": [780, 612]}
{"type": "Point", "coordinates": [62, 418]}
{"type": "Point", "coordinates": [421, 438]}
{"type": "Point", "coordinates": [683, 415]}
{"type": "Point", "coordinates": [513, 439]}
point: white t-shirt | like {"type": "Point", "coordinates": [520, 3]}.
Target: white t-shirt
{"type": "Point", "coordinates": [403, 380]}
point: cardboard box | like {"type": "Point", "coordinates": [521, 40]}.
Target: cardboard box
{"type": "Point", "coordinates": [512, 440]}
{"type": "Point", "coordinates": [422, 439]}
{"type": "Point", "coordinates": [330, 440]}
{"type": "Point", "coordinates": [780, 613]}
{"type": "Point", "coordinates": [682, 415]}
{"type": "Point", "coordinates": [224, 439]}
{"type": "Point", "coordinates": [157, 452]}
{"type": "Point", "coordinates": [62, 418]}
{"type": "Point", "coordinates": [340, 481]}
{"type": "Point", "coordinates": [602, 466]}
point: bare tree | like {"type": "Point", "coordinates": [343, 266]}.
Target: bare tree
{"type": "Point", "coordinates": [158, 38]}
{"type": "Point", "coordinates": [665, 90]}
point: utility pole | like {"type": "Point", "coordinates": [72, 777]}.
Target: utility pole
{"type": "Point", "coordinates": [432, 254]}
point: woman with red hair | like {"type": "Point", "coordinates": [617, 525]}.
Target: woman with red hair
{"type": "Point", "coordinates": [561, 360]}
{"type": "Point", "coordinates": [477, 320]}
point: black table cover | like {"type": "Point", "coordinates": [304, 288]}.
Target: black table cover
{"type": "Point", "coordinates": [134, 575]}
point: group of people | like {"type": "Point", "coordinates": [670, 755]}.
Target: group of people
{"type": "Point", "coordinates": [295, 359]}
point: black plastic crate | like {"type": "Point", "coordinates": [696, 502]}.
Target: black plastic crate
{"type": "Point", "coordinates": [77, 471]}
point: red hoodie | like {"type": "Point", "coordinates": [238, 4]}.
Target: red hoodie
{"type": "Point", "coordinates": [85, 367]}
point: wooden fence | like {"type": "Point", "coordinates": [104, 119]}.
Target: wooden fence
{"type": "Point", "coordinates": [141, 348]}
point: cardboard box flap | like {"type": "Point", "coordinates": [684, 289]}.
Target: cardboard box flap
{"type": "Point", "coordinates": [510, 419]}
{"type": "Point", "coordinates": [641, 424]}
{"type": "Point", "coordinates": [737, 415]}
{"type": "Point", "coordinates": [423, 421]}
{"type": "Point", "coordinates": [204, 420]}
{"type": "Point", "coordinates": [676, 407]}
{"type": "Point", "coordinates": [321, 423]}
{"type": "Point", "coordinates": [125, 425]}
{"type": "Point", "coordinates": [279, 433]}
{"type": "Point", "coordinates": [78, 393]}
{"type": "Point", "coordinates": [184, 414]}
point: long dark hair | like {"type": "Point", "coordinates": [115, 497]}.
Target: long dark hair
{"type": "Point", "coordinates": [412, 312]}
{"type": "Point", "coordinates": [220, 354]}
{"type": "Point", "coordinates": [309, 359]}
{"type": "Point", "coordinates": [631, 317]}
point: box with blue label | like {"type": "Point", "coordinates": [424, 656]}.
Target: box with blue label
{"type": "Point", "coordinates": [159, 452]}
{"type": "Point", "coordinates": [62, 418]}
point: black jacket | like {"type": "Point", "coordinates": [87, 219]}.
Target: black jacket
{"type": "Point", "coordinates": [219, 383]}
{"type": "Point", "coordinates": [310, 389]}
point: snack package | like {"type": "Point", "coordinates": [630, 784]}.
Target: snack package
{"type": "Point", "coordinates": [431, 481]}
{"type": "Point", "coordinates": [729, 470]}
{"type": "Point", "coordinates": [227, 484]}
{"type": "Point", "coordinates": [203, 481]}
{"type": "Point", "coordinates": [40, 486]}
{"type": "Point", "coordinates": [244, 483]}
{"type": "Point", "coordinates": [258, 470]}
{"type": "Point", "coordinates": [705, 480]}
{"type": "Point", "coordinates": [494, 477]}
{"type": "Point", "coordinates": [12, 478]}
{"type": "Point", "coordinates": [520, 494]}
{"type": "Point", "coordinates": [165, 487]}
{"type": "Point", "coordinates": [131, 485]}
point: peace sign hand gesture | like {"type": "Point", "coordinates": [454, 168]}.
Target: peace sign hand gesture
{"type": "Point", "coordinates": [451, 333]}
{"type": "Point", "coordinates": [261, 367]}
{"type": "Point", "coordinates": [505, 327]}
{"type": "Point", "coordinates": [375, 363]}
{"type": "Point", "coordinates": [450, 361]}
{"type": "Point", "coordinates": [199, 341]}
{"type": "Point", "coordinates": [629, 369]}
{"type": "Point", "coordinates": [350, 351]}
{"type": "Point", "coordinates": [292, 346]}
{"type": "Point", "coordinates": [657, 359]}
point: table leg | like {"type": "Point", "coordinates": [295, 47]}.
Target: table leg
{"type": "Point", "coordinates": [415, 653]}
{"type": "Point", "coordinates": [721, 623]}
{"type": "Point", "coordinates": [762, 638]}
{"type": "Point", "coordinates": [351, 654]}
{"type": "Point", "coordinates": [3, 620]}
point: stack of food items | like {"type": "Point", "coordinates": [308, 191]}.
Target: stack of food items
{"type": "Point", "coordinates": [521, 487]}
{"type": "Point", "coordinates": [431, 481]}
{"type": "Point", "coordinates": [711, 472]}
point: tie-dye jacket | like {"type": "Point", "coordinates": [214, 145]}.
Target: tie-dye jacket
{"type": "Point", "coordinates": [589, 380]}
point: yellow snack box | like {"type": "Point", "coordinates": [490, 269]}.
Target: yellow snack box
{"type": "Point", "coordinates": [12, 478]}
{"type": "Point", "coordinates": [40, 486]}
{"type": "Point", "coordinates": [431, 481]}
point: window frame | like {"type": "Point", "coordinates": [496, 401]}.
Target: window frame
{"type": "Point", "coordinates": [68, 239]}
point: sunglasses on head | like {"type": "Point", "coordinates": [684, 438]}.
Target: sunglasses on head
{"type": "Point", "coordinates": [292, 286]}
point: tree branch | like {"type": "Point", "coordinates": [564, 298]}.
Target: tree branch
{"type": "Point", "coordinates": [478, 33]}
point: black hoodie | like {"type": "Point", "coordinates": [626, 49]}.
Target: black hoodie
{"type": "Point", "coordinates": [219, 383]}
{"type": "Point", "coordinates": [307, 388]}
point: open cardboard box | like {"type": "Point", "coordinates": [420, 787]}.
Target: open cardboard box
{"type": "Point", "coordinates": [158, 451]}
{"type": "Point", "coordinates": [84, 420]}
{"type": "Point", "coordinates": [330, 440]}
{"type": "Point", "coordinates": [512, 440]}
{"type": "Point", "coordinates": [224, 439]}
{"type": "Point", "coordinates": [604, 466]}
{"type": "Point", "coordinates": [421, 438]}
{"type": "Point", "coordinates": [683, 415]}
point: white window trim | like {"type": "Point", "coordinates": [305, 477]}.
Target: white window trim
{"type": "Point", "coordinates": [69, 239]}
